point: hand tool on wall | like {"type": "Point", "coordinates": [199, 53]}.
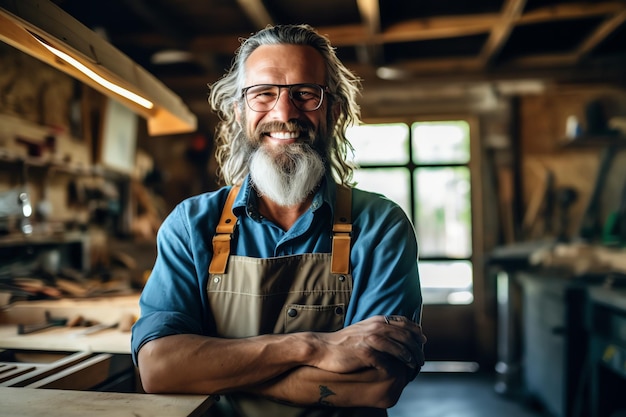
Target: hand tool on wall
{"type": "Point", "coordinates": [591, 226]}
{"type": "Point", "coordinates": [615, 226]}
{"type": "Point", "coordinates": [565, 197]}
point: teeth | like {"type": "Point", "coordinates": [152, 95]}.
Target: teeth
{"type": "Point", "coordinates": [284, 135]}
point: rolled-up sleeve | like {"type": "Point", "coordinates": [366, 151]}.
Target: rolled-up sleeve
{"type": "Point", "coordinates": [384, 260]}
{"type": "Point", "coordinates": [171, 299]}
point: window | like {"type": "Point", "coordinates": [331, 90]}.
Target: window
{"type": "Point", "coordinates": [424, 167]}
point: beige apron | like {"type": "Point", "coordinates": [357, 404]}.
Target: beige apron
{"type": "Point", "coordinates": [252, 296]}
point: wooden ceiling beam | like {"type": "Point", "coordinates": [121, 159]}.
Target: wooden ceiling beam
{"type": "Point", "coordinates": [371, 52]}
{"type": "Point", "coordinates": [600, 34]}
{"type": "Point", "coordinates": [570, 12]}
{"type": "Point", "coordinates": [452, 64]}
{"type": "Point", "coordinates": [497, 25]}
{"type": "Point", "coordinates": [370, 14]}
{"type": "Point", "coordinates": [411, 29]}
{"type": "Point", "coordinates": [501, 31]}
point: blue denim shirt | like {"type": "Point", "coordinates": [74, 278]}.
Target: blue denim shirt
{"type": "Point", "coordinates": [383, 257]}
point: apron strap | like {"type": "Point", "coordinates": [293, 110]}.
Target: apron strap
{"type": "Point", "coordinates": [342, 228]}
{"type": "Point", "coordinates": [223, 234]}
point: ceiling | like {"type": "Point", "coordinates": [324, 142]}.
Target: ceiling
{"type": "Point", "coordinates": [428, 44]}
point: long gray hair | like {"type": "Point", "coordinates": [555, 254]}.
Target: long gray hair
{"type": "Point", "coordinates": [232, 149]}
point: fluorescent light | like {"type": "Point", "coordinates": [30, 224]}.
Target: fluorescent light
{"type": "Point", "coordinates": [43, 30]}
{"type": "Point", "coordinates": [97, 78]}
{"type": "Point", "coordinates": [171, 56]}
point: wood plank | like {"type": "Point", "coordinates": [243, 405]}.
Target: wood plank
{"type": "Point", "coordinates": [103, 309]}
{"type": "Point", "coordinates": [499, 35]}
{"type": "Point", "coordinates": [66, 339]}
{"type": "Point", "coordinates": [26, 402]}
{"type": "Point", "coordinates": [82, 376]}
{"type": "Point", "coordinates": [602, 32]}
{"type": "Point", "coordinates": [40, 371]}
{"type": "Point", "coordinates": [9, 372]}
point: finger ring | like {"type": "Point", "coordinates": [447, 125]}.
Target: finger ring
{"type": "Point", "coordinates": [386, 319]}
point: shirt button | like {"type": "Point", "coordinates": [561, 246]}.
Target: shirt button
{"type": "Point", "coordinates": [338, 311]}
{"type": "Point", "coordinates": [292, 312]}
{"type": "Point", "coordinates": [216, 280]}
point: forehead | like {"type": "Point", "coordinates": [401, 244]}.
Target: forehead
{"type": "Point", "coordinates": [285, 64]}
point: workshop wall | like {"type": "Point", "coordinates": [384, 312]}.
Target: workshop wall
{"type": "Point", "coordinates": [557, 167]}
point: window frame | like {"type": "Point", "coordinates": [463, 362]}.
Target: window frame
{"type": "Point", "coordinates": [476, 193]}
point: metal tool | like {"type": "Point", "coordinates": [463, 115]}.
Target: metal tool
{"type": "Point", "coordinates": [32, 328]}
{"type": "Point", "coordinates": [95, 329]}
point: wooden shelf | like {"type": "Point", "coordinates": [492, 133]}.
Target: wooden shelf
{"type": "Point", "coordinates": [35, 239]}
{"type": "Point", "coordinates": [59, 166]}
{"type": "Point", "coordinates": [76, 169]}
{"type": "Point", "coordinates": [594, 141]}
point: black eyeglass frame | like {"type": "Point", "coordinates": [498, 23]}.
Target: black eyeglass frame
{"type": "Point", "coordinates": [289, 87]}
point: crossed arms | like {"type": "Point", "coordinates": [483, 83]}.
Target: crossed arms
{"type": "Point", "coordinates": [366, 364]}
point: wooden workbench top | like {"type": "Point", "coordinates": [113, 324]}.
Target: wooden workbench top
{"type": "Point", "coordinates": [101, 309]}
{"type": "Point", "coordinates": [106, 310]}
{"type": "Point", "coordinates": [26, 402]}
{"type": "Point", "coordinates": [66, 339]}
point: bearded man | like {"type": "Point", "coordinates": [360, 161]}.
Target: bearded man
{"type": "Point", "coordinates": [287, 292]}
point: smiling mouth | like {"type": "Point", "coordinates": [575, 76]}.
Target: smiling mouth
{"type": "Point", "coordinates": [283, 135]}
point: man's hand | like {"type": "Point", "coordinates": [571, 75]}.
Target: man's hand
{"type": "Point", "coordinates": [379, 355]}
{"type": "Point", "coordinates": [369, 344]}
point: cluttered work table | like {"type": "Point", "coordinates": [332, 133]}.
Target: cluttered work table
{"type": "Point", "coordinates": [71, 357]}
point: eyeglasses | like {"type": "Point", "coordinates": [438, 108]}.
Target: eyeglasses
{"type": "Point", "coordinates": [263, 97]}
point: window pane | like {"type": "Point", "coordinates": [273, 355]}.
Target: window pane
{"type": "Point", "coordinates": [441, 142]}
{"type": "Point", "coordinates": [382, 144]}
{"type": "Point", "coordinates": [443, 212]}
{"type": "Point", "coordinates": [446, 282]}
{"type": "Point", "coordinates": [393, 183]}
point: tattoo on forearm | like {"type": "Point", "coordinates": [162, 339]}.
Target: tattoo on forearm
{"type": "Point", "coordinates": [325, 392]}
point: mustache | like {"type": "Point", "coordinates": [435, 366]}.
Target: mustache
{"type": "Point", "coordinates": [303, 127]}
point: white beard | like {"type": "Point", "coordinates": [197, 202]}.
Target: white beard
{"type": "Point", "coordinates": [288, 177]}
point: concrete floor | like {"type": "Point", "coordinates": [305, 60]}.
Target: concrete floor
{"type": "Point", "coordinates": [457, 395]}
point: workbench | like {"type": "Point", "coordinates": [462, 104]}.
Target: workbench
{"type": "Point", "coordinates": [103, 310]}
{"type": "Point", "coordinates": [65, 371]}
{"type": "Point", "coordinates": [25, 402]}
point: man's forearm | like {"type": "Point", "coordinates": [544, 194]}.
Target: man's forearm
{"type": "Point", "coordinates": [306, 386]}
{"type": "Point", "coordinates": [209, 365]}
{"type": "Point", "coordinates": [199, 364]}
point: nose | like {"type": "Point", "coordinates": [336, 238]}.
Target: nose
{"type": "Point", "coordinates": [284, 109]}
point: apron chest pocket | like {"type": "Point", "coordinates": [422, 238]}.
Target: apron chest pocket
{"type": "Point", "coordinates": [315, 318]}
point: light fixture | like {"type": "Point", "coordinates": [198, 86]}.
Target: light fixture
{"type": "Point", "coordinates": [44, 31]}
{"type": "Point", "coordinates": [171, 56]}
{"type": "Point", "coordinates": [96, 77]}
